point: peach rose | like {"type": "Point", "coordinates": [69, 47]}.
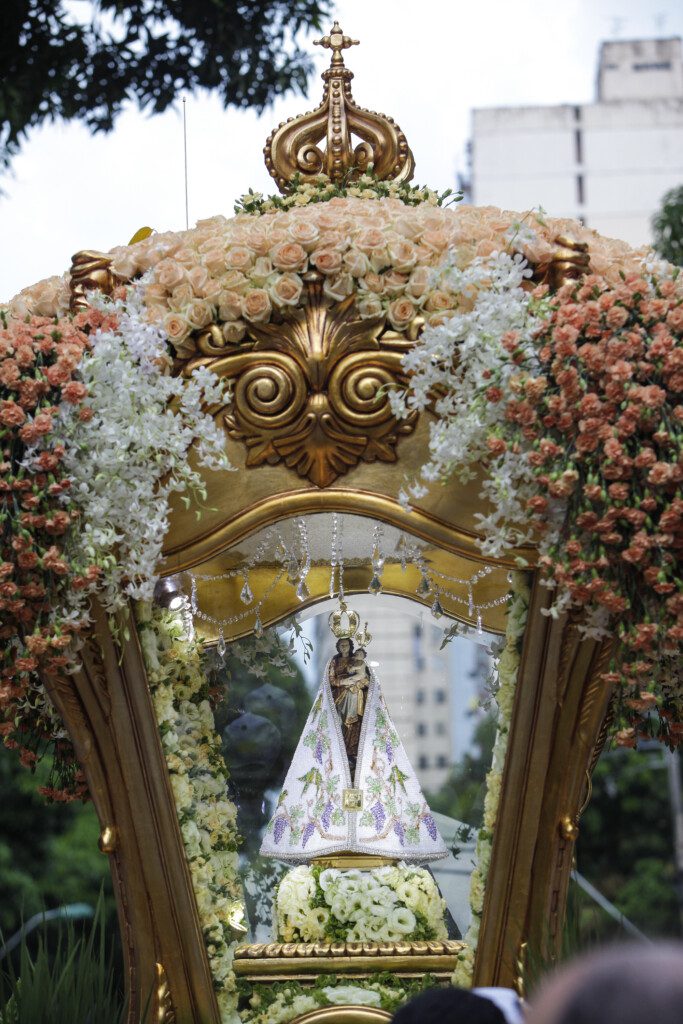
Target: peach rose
{"type": "Point", "coordinates": [176, 327]}
{"type": "Point", "coordinates": [261, 271]}
{"type": "Point", "coordinates": [369, 239]}
{"type": "Point", "coordinates": [47, 298]}
{"type": "Point", "coordinates": [437, 301]}
{"type": "Point", "coordinates": [400, 313]}
{"type": "Point", "coordinates": [394, 283]}
{"type": "Point", "coordinates": [305, 232]}
{"type": "Point", "coordinates": [256, 306]}
{"type": "Point", "coordinates": [234, 281]}
{"type": "Point", "coordinates": [418, 283]}
{"type": "Point", "coordinates": [238, 257]}
{"type": "Point", "coordinates": [214, 261]}
{"type": "Point", "coordinates": [369, 307]}
{"type": "Point", "coordinates": [327, 261]}
{"type": "Point", "coordinates": [379, 259]}
{"type": "Point", "coordinates": [233, 331]}
{"type": "Point", "coordinates": [181, 296]}
{"type": "Point", "coordinates": [288, 256]}
{"type": "Point", "coordinates": [373, 283]}
{"type": "Point", "coordinates": [402, 255]}
{"type": "Point", "coordinates": [198, 279]}
{"type": "Point", "coordinates": [229, 305]}
{"type": "Point", "coordinates": [169, 274]}
{"type": "Point", "coordinates": [356, 263]}
{"type": "Point", "coordinates": [286, 290]}
{"type": "Point", "coordinates": [337, 288]}
{"type": "Point", "coordinates": [199, 313]}
{"type": "Point", "coordinates": [125, 263]}
{"type": "Point", "coordinates": [434, 239]}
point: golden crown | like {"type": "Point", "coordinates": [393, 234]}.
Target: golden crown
{"type": "Point", "coordinates": [344, 623]}
{"type": "Point", "coordinates": [320, 142]}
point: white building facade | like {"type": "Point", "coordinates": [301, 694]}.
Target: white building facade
{"type": "Point", "coordinates": [607, 163]}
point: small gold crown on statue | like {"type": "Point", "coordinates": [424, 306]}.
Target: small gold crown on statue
{"type": "Point", "coordinates": [345, 625]}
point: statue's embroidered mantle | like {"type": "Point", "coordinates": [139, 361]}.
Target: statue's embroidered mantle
{"type": "Point", "coordinates": [311, 820]}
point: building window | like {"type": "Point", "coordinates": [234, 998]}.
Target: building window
{"type": "Point", "coordinates": [440, 728]}
{"type": "Point", "coordinates": [578, 146]}
{"type": "Point", "coordinates": [418, 654]}
{"type": "Point", "coordinates": [422, 761]}
{"type": "Point", "coordinates": [664, 65]}
{"type": "Point", "coordinates": [442, 761]}
{"type": "Point", "coordinates": [419, 696]}
{"type": "Point", "coordinates": [421, 729]}
{"type": "Point", "coordinates": [580, 191]}
{"type": "Point", "coordinates": [440, 696]}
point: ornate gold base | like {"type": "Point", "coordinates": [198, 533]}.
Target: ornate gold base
{"type": "Point", "coordinates": [304, 961]}
{"type": "Point", "coordinates": [361, 861]}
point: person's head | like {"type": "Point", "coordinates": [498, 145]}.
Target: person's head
{"type": "Point", "coordinates": [449, 1005]}
{"type": "Point", "coordinates": [620, 985]}
{"type": "Point", "coordinates": [345, 647]}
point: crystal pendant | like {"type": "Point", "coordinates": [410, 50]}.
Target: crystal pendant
{"type": "Point", "coordinates": [292, 570]}
{"type": "Point", "coordinates": [302, 590]}
{"type": "Point", "coordinates": [479, 629]}
{"type": "Point", "coordinates": [423, 587]}
{"type": "Point", "coordinates": [470, 602]}
{"type": "Point", "coordinates": [375, 585]}
{"type": "Point", "coordinates": [258, 628]}
{"type": "Point", "coordinates": [437, 610]}
{"type": "Point", "coordinates": [221, 647]}
{"type": "Point", "coordinates": [193, 597]}
{"type": "Point", "coordinates": [246, 595]}
{"type": "Point", "coordinates": [377, 559]}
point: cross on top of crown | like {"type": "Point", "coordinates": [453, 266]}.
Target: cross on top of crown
{"type": "Point", "coordinates": [336, 41]}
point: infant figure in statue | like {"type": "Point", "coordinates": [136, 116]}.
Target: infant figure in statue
{"type": "Point", "coordinates": [349, 682]}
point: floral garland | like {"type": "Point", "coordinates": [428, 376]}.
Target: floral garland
{"type": "Point", "coordinates": [282, 1002]}
{"type": "Point", "coordinates": [199, 778]}
{"type": "Point", "coordinates": [92, 451]}
{"type": "Point", "coordinates": [507, 667]}
{"type": "Point", "coordinates": [388, 904]}
{"type": "Point", "coordinates": [575, 402]}
{"type": "Point", "coordinates": [321, 189]}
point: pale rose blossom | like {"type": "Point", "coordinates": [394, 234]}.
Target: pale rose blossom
{"type": "Point", "coordinates": [176, 326]}
{"type": "Point", "coordinates": [337, 288]}
{"type": "Point", "coordinates": [199, 313]}
{"type": "Point", "coordinates": [356, 263]}
{"type": "Point", "coordinates": [288, 256]}
{"type": "Point", "coordinates": [369, 307]}
{"type": "Point", "coordinates": [198, 278]}
{"type": "Point", "coordinates": [305, 232]}
{"type": "Point", "coordinates": [239, 258]}
{"type": "Point", "coordinates": [233, 331]}
{"type": "Point", "coordinates": [400, 313]}
{"type": "Point", "coordinates": [256, 306]}
{"type": "Point", "coordinates": [169, 274]}
{"type": "Point", "coordinates": [181, 296]}
{"type": "Point", "coordinates": [125, 263]}
{"type": "Point", "coordinates": [229, 305]}
{"type": "Point", "coordinates": [286, 290]}
{"type": "Point", "coordinates": [327, 261]}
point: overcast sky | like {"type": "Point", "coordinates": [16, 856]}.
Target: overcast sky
{"type": "Point", "coordinates": [425, 62]}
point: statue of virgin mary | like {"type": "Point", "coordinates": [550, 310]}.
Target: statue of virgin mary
{"type": "Point", "coordinates": [350, 787]}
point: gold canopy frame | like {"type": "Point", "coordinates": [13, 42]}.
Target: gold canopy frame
{"type": "Point", "coordinates": [309, 433]}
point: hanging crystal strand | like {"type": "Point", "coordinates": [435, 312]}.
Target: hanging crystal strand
{"type": "Point", "coordinates": [246, 595]}
{"type": "Point", "coordinates": [333, 555]}
{"type": "Point", "coordinates": [340, 557]}
{"type": "Point", "coordinates": [221, 648]}
{"type": "Point", "coordinates": [403, 550]}
{"type": "Point", "coordinates": [258, 627]}
{"type": "Point", "coordinates": [479, 629]}
{"type": "Point", "coordinates": [302, 590]}
{"type": "Point", "coordinates": [193, 596]}
{"type": "Point", "coordinates": [375, 586]}
{"type": "Point", "coordinates": [470, 600]}
{"type": "Point", "coordinates": [188, 620]}
{"type": "Point", "coordinates": [436, 609]}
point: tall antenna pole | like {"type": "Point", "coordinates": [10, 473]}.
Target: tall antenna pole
{"type": "Point", "coordinates": [187, 208]}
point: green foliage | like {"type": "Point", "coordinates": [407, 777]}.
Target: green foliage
{"type": "Point", "coordinates": [363, 186]}
{"type": "Point", "coordinates": [48, 853]}
{"type": "Point", "coordinates": [626, 841]}
{"type": "Point", "coordinates": [462, 794]}
{"type": "Point", "coordinates": [667, 225]}
{"type": "Point", "coordinates": [72, 983]}
{"type": "Point", "coordinates": [57, 63]}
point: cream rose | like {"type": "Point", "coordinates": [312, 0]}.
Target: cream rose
{"type": "Point", "coordinates": [238, 257]}
{"type": "Point", "coordinates": [286, 290]}
{"type": "Point", "coordinates": [369, 307]}
{"type": "Point", "coordinates": [327, 261]}
{"type": "Point", "coordinates": [261, 271]}
{"type": "Point", "coordinates": [233, 331]}
{"type": "Point", "coordinates": [394, 283]}
{"type": "Point", "coordinates": [198, 279]}
{"type": "Point", "coordinates": [305, 232]}
{"type": "Point", "coordinates": [337, 288]}
{"type": "Point", "coordinates": [169, 274]}
{"type": "Point", "coordinates": [402, 255]}
{"type": "Point", "coordinates": [199, 313]}
{"type": "Point", "coordinates": [418, 283]}
{"type": "Point", "coordinates": [214, 261]}
{"type": "Point", "coordinates": [181, 296]}
{"type": "Point", "coordinates": [356, 263]}
{"type": "Point", "coordinates": [400, 313]}
{"type": "Point", "coordinates": [438, 301]}
{"type": "Point", "coordinates": [176, 326]}
{"type": "Point", "coordinates": [289, 256]}
{"type": "Point", "coordinates": [229, 305]}
{"type": "Point", "coordinates": [369, 239]}
{"type": "Point", "coordinates": [124, 263]}
{"type": "Point", "coordinates": [256, 306]}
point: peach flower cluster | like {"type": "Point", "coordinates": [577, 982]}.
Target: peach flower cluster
{"type": "Point", "coordinates": [250, 269]}
{"type": "Point", "coordinates": [603, 419]}
{"type": "Point", "coordinates": [38, 361]}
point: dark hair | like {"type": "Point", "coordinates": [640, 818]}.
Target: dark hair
{"type": "Point", "coordinates": [449, 1005]}
{"type": "Point", "coordinates": [621, 985]}
{"type": "Point", "coordinates": [341, 640]}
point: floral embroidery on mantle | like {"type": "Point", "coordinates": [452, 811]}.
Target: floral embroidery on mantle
{"type": "Point", "coordinates": [310, 821]}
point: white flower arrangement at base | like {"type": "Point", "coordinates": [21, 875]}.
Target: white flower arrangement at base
{"type": "Point", "coordinates": [508, 665]}
{"type": "Point", "coordinates": [198, 776]}
{"type": "Point", "coordinates": [388, 904]}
